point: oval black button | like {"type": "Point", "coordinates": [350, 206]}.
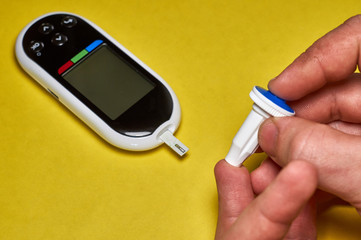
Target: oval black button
{"type": "Point", "coordinates": [46, 28]}
{"type": "Point", "coordinates": [69, 21]}
{"type": "Point", "coordinates": [59, 39]}
{"type": "Point", "coordinates": [36, 46]}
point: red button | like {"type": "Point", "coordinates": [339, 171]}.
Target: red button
{"type": "Point", "coordinates": [65, 67]}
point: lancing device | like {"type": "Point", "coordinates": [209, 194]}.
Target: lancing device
{"type": "Point", "coordinates": [245, 143]}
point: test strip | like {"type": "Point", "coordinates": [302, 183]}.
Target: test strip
{"type": "Point", "coordinates": [174, 143]}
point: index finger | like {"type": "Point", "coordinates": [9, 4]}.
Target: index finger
{"type": "Point", "coordinates": [331, 58]}
{"type": "Point", "coordinates": [272, 212]}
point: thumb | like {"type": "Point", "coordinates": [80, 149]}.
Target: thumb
{"type": "Point", "coordinates": [336, 155]}
{"type": "Point", "coordinates": [234, 194]}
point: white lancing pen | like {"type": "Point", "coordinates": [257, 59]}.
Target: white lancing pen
{"type": "Point", "coordinates": [245, 143]}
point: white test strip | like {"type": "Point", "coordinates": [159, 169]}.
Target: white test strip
{"type": "Point", "coordinates": [174, 143]}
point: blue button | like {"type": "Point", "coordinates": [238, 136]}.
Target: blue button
{"type": "Point", "coordinates": [276, 100]}
{"type": "Point", "coordinates": [94, 45]}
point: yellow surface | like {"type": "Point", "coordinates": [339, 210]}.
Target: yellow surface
{"type": "Point", "coordinates": [58, 180]}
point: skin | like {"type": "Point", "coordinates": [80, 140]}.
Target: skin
{"type": "Point", "coordinates": [325, 94]}
{"type": "Point", "coordinates": [318, 148]}
{"type": "Point", "coordinates": [244, 216]}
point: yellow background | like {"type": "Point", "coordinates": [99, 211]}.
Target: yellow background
{"type": "Point", "coordinates": [58, 180]}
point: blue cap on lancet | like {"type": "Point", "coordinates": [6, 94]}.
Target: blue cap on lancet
{"type": "Point", "coordinates": [273, 98]}
{"type": "Point", "coordinates": [266, 104]}
{"type": "Point", "coordinates": [270, 103]}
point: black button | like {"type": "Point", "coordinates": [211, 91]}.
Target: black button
{"type": "Point", "coordinates": [46, 28]}
{"type": "Point", "coordinates": [68, 21]}
{"type": "Point", "coordinates": [36, 46]}
{"type": "Point", "coordinates": [59, 39]}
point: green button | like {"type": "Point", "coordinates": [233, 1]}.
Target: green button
{"type": "Point", "coordinates": [79, 56]}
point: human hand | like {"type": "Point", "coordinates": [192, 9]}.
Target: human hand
{"type": "Point", "coordinates": [282, 209]}
{"type": "Point", "coordinates": [323, 89]}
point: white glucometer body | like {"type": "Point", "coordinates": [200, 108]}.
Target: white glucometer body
{"type": "Point", "coordinates": [245, 143]}
{"type": "Point", "coordinates": [100, 81]}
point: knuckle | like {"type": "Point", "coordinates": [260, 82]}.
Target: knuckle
{"type": "Point", "coordinates": [355, 20]}
{"type": "Point", "coordinates": [352, 26]}
{"type": "Point", "coordinates": [305, 143]}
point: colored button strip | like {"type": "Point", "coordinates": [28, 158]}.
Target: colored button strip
{"type": "Point", "coordinates": [79, 56]}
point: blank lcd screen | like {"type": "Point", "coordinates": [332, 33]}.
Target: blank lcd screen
{"type": "Point", "coordinates": [109, 82]}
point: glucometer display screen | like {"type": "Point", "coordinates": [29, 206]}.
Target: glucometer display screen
{"type": "Point", "coordinates": [108, 82]}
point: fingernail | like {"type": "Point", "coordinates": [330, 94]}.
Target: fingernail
{"type": "Point", "coordinates": [271, 80]}
{"type": "Point", "coordinates": [267, 136]}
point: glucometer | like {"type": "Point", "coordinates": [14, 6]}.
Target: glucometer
{"type": "Point", "coordinates": [100, 81]}
{"type": "Point", "coordinates": [245, 143]}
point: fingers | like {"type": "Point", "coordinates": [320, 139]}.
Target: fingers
{"type": "Point", "coordinates": [304, 225]}
{"type": "Point", "coordinates": [337, 156]}
{"type": "Point", "coordinates": [349, 128]}
{"type": "Point", "coordinates": [332, 58]}
{"type": "Point", "coordinates": [234, 194]}
{"type": "Point", "coordinates": [338, 101]}
{"type": "Point", "coordinates": [272, 212]}
{"type": "Point", "coordinates": [325, 200]}
{"type": "Point", "coordinates": [264, 175]}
